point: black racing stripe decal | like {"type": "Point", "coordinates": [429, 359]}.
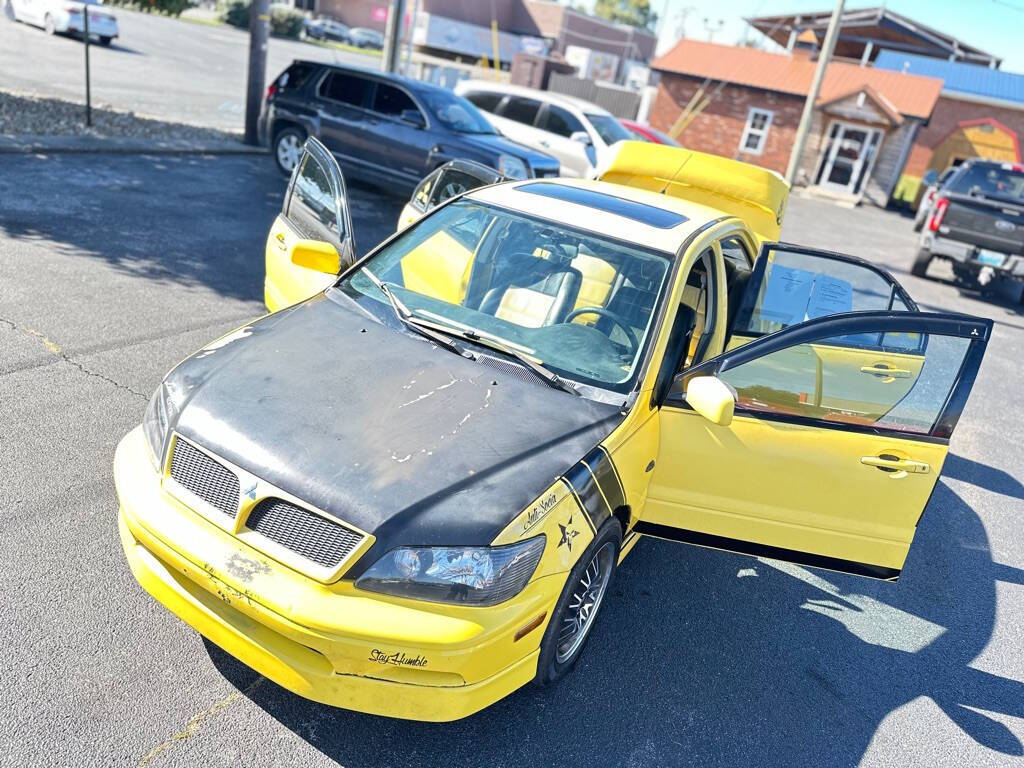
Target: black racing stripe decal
{"type": "Point", "coordinates": [579, 502]}
{"type": "Point", "coordinates": [762, 550]}
{"type": "Point", "coordinates": [607, 476]}
{"type": "Point", "coordinates": [585, 487]}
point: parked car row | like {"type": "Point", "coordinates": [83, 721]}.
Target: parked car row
{"type": "Point", "coordinates": [331, 29]}
{"type": "Point", "coordinates": [67, 17]}
{"type": "Point", "coordinates": [973, 217]}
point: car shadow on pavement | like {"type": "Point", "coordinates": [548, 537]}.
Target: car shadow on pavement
{"type": "Point", "coordinates": [709, 658]}
{"type": "Point", "coordinates": [183, 219]}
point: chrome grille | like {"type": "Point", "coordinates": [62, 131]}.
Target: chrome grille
{"type": "Point", "coordinates": [303, 532]}
{"type": "Point", "coordinates": [204, 476]}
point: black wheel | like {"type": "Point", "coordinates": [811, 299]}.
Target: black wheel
{"type": "Point", "coordinates": [578, 606]}
{"type": "Point", "coordinates": [288, 148]}
{"type": "Point", "coordinates": [921, 262]}
{"type": "Point", "coordinates": [48, 25]}
{"type": "Point", "coordinates": [104, 40]}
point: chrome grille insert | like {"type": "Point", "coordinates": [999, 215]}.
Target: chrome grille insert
{"type": "Point", "coordinates": [315, 538]}
{"type": "Point", "coordinates": [204, 476]}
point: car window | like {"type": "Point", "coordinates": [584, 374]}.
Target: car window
{"type": "Point", "coordinates": [998, 181]}
{"type": "Point", "coordinates": [698, 295]}
{"type": "Point", "coordinates": [453, 182]}
{"type": "Point", "coordinates": [421, 195]}
{"type": "Point", "coordinates": [392, 101]}
{"type": "Point", "coordinates": [608, 128]}
{"type": "Point", "coordinates": [311, 205]}
{"type": "Point", "coordinates": [561, 121]}
{"type": "Point", "coordinates": [456, 113]}
{"type": "Point", "coordinates": [485, 100]}
{"type": "Point", "coordinates": [875, 386]}
{"type": "Point", "coordinates": [521, 279]}
{"type": "Point", "coordinates": [347, 88]}
{"type": "Point", "coordinates": [792, 286]}
{"type": "Point", "coordinates": [736, 252]}
{"type": "Point", "coordinates": [520, 109]}
{"type": "Point", "coordinates": [294, 77]}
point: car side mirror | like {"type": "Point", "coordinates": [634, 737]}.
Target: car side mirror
{"type": "Point", "coordinates": [930, 178]}
{"type": "Point", "coordinates": [582, 137]}
{"type": "Point", "coordinates": [413, 117]}
{"type": "Point", "coordinates": [316, 255]}
{"type": "Point", "coordinates": [712, 398]}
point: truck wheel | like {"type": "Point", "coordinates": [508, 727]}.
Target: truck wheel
{"type": "Point", "coordinates": [104, 40]}
{"type": "Point", "coordinates": [288, 148]}
{"type": "Point", "coordinates": [921, 262]}
{"type": "Point", "coordinates": [577, 608]}
{"type": "Point", "coordinates": [48, 25]}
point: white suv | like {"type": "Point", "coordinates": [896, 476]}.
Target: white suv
{"type": "Point", "coordinates": [577, 132]}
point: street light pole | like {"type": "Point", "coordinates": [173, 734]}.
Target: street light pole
{"type": "Point", "coordinates": [259, 31]}
{"type": "Point", "coordinates": [827, 47]}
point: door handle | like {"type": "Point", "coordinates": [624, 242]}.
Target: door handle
{"type": "Point", "coordinates": [885, 372]}
{"type": "Point", "coordinates": [889, 463]}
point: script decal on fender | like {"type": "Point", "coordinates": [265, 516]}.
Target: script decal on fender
{"type": "Point", "coordinates": [537, 513]}
{"type": "Point", "coordinates": [398, 659]}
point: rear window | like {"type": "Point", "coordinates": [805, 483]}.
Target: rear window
{"type": "Point", "coordinates": [521, 110]}
{"type": "Point", "coordinates": [998, 181]}
{"type": "Point", "coordinates": [295, 76]}
{"type": "Point", "coordinates": [485, 100]}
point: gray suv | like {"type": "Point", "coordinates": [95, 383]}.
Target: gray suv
{"type": "Point", "coordinates": [385, 129]}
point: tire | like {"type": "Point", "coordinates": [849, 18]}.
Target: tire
{"type": "Point", "coordinates": [287, 148]}
{"type": "Point", "coordinates": [921, 262]}
{"type": "Point", "coordinates": [558, 655]}
{"type": "Point", "coordinates": [48, 26]}
{"type": "Point", "coordinates": [104, 40]}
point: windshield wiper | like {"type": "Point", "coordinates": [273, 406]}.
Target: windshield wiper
{"type": "Point", "coordinates": [407, 319]}
{"type": "Point", "coordinates": [551, 378]}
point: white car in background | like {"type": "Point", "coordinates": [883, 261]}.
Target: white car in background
{"type": "Point", "coordinates": [67, 16]}
{"type": "Point", "coordinates": [578, 133]}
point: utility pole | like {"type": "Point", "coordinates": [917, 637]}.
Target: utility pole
{"type": "Point", "coordinates": [812, 97]}
{"type": "Point", "coordinates": [88, 90]}
{"type": "Point", "coordinates": [393, 36]}
{"type": "Point", "coordinates": [408, 41]}
{"type": "Point", "coordinates": [259, 31]}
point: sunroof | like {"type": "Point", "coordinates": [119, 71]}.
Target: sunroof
{"type": "Point", "coordinates": [630, 209]}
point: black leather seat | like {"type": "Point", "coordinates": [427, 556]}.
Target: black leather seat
{"type": "Point", "coordinates": [533, 290]}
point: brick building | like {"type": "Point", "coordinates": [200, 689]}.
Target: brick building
{"type": "Point", "coordinates": [746, 103]}
{"type": "Point", "coordinates": [980, 113]}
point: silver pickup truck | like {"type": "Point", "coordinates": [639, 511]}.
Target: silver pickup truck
{"type": "Point", "coordinates": [977, 223]}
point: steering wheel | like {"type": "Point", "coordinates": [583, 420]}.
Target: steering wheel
{"type": "Point", "coordinates": [634, 342]}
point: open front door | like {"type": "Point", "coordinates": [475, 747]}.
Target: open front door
{"type": "Point", "coordinates": [840, 429]}
{"type": "Point", "coordinates": [315, 209]}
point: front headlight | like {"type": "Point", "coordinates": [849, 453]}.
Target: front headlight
{"type": "Point", "coordinates": [160, 414]}
{"type": "Point", "coordinates": [512, 167]}
{"type": "Point", "coordinates": [461, 575]}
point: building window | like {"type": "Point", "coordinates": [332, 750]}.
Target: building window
{"type": "Point", "coordinates": [755, 133]}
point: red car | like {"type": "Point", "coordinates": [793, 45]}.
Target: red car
{"type": "Point", "coordinates": [646, 133]}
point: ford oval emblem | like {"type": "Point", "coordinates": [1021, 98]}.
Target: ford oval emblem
{"type": "Point", "coordinates": [1005, 226]}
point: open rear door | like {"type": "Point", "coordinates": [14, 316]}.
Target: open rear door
{"type": "Point", "coordinates": [840, 430]}
{"type": "Point", "coordinates": [315, 208]}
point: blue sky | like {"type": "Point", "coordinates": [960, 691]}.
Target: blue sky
{"type": "Point", "coordinates": [994, 26]}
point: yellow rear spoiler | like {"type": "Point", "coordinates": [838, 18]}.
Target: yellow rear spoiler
{"type": "Point", "coordinates": [756, 195]}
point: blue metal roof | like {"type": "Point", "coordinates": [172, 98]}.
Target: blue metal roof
{"type": "Point", "coordinates": [959, 77]}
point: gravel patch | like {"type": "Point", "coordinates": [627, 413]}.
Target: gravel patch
{"type": "Point", "coordinates": [26, 114]}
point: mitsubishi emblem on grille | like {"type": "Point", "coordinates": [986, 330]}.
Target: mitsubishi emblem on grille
{"type": "Point", "coordinates": [251, 491]}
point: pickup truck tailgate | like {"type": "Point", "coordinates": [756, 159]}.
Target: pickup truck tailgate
{"type": "Point", "coordinates": [989, 224]}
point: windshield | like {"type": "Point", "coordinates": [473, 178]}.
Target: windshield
{"type": "Point", "coordinates": [997, 181]}
{"type": "Point", "coordinates": [608, 128]}
{"type": "Point", "coordinates": [580, 304]}
{"type": "Point", "coordinates": [455, 113]}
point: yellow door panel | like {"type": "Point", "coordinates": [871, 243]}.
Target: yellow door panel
{"type": "Point", "coordinates": [439, 267]}
{"type": "Point", "coordinates": [287, 283]}
{"type": "Point", "coordinates": [791, 486]}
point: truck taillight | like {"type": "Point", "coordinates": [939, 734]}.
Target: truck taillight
{"type": "Point", "coordinates": [271, 90]}
{"type": "Point", "coordinates": [940, 210]}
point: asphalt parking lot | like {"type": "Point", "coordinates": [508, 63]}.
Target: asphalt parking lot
{"type": "Point", "coordinates": [112, 268]}
{"type": "Point", "coordinates": [159, 67]}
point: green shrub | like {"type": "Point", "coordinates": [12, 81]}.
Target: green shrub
{"type": "Point", "coordinates": [285, 21]}
{"type": "Point", "coordinates": [235, 13]}
{"type": "Point", "coordinates": [167, 7]}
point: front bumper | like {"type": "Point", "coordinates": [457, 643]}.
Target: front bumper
{"type": "Point", "coordinates": [327, 642]}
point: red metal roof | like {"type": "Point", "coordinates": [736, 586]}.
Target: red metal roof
{"type": "Point", "coordinates": [912, 95]}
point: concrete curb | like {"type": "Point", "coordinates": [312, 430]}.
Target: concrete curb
{"type": "Point", "coordinates": [32, 144]}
